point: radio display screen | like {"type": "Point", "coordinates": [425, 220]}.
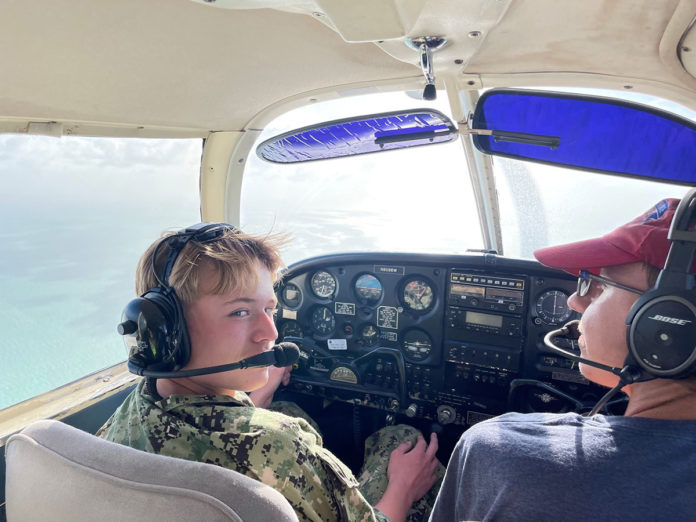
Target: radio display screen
{"type": "Point", "coordinates": [475, 291]}
{"type": "Point", "coordinates": [484, 319]}
{"type": "Point", "coordinates": [505, 295]}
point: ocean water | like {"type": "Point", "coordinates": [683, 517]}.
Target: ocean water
{"type": "Point", "coordinates": [75, 215]}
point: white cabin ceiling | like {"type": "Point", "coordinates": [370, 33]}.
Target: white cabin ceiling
{"type": "Point", "coordinates": [193, 66]}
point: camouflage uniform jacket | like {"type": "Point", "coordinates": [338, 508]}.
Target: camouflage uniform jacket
{"type": "Point", "coordinates": [284, 452]}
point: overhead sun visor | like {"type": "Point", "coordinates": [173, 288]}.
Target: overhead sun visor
{"type": "Point", "coordinates": [586, 132]}
{"type": "Point", "coordinates": [359, 135]}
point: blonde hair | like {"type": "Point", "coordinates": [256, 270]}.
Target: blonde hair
{"type": "Point", "coordinates": [233, 256]}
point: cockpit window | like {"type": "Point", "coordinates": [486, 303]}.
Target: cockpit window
{"type": "Point", "coordinates": [76, 214]}
{"type": "Point", "coordinates": [411, 200]}
{"type": "Point", "coordinates": [542, 205]}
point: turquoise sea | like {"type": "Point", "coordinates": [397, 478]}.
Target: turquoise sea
{"type": "Point", "coordinates": [75, 215]}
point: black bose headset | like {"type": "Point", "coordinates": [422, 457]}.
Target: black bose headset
{"type": "Point", "coordinates": [153, 324]}
{"type": "Point", "coordinates": [661, 325]}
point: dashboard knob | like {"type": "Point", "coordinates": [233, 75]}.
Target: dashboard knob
{"type": "Point", "coordinates": [411, 410]}
{"type": "Point", "coordinates": [393, 405]}
{"type": "Point", "coordinates": [446, 414]}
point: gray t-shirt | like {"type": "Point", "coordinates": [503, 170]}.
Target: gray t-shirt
{"type": "Point", "coordinates": [567, 467]}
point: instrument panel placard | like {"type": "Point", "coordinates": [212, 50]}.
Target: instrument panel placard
{"type": "Point", "coordinates": [388, 317]}
{"type": "Point", "coordinates": [344, 308]}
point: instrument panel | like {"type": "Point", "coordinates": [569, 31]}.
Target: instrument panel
{"type": "Point", "coordinates": [451, 339]}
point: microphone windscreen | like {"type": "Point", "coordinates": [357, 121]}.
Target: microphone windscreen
{"type": "Point", "coordinates": [285, 354]}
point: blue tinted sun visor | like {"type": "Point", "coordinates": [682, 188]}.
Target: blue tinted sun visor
{"type": "Point", "coordinates": [353, 136]}
{"type": "Point", "coordinates": [586, 132]}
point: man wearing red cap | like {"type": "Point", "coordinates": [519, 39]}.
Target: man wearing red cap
{"type": "Point", "coordinates": [640, 466]}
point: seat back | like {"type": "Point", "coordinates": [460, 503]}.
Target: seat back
{"type": "Point", "coordinates": [57, 472]}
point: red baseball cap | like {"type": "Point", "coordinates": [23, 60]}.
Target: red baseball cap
{"type": "Point", "coordinates": [642, 240]}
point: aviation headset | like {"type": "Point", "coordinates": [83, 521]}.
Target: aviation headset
{"type": "Point", "coordinates": [153, 324]}
{"type": "Point", "coordinates": [661, 325]}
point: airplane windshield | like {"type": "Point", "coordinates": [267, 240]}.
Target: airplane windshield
{"type": "Point", "coordinates": [411, 200]}
{"type": "Point", "coordinates": [421, 200]}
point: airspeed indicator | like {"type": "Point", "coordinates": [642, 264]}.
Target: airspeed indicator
{"type": "Point", "coordinates": [323, 284]}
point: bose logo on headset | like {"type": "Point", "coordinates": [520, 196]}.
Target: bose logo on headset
{"type": "Point", "coordinates": [672, 320]}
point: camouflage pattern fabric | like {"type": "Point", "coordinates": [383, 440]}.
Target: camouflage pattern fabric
{"type": "Point", "coordinates": [378, 446]}
{"type": "Point", "coordinates": [373, 476]}
{"type": "Point", "coordinates": [283, 452]}
{"type": "Point", "coordinates": [293, 410]}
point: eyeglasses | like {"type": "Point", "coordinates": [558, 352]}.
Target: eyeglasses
{"type": "Point", "coordinates": [585, 282]}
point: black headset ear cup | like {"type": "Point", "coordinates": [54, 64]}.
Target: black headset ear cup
{"type": "Point", "coordinates": [661, 333]}
{"type": "Point", "coordinates": [157, 337]}
{"type": "Point", "coordinates": [153, 325]}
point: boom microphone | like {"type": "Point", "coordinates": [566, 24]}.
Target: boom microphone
{"type": "Point", "coordinates": [282, 354]}
{"type": "Point", "coordinates": [629, 374]}
{"type": "Point", "coordinates": [570, 329]}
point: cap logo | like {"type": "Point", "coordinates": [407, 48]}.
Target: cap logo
{"type": "Point", "coordinates": [657, 211]}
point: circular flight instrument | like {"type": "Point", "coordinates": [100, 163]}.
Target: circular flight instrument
{"type": "Point", "coordinates": [417, 345]}
{"type": "Point", "coordinates": [369, 334]}
{"type": "Point", "coordinates": [291, 295]}
{"type": "Point", "coordinates": [323, 321]}
{"type": "Point", "coordinates": [323, 284]}
{"type": "Point", "coordinates": [552, 307]}
{"type": "Point", "coordinates": [418, 295]}
{"type": "Point", "coordinates": [368, 289]}
{"type": "Point", "coordinates": [290, 329]}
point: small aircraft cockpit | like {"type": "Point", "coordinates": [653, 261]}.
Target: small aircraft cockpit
{"type": "Point", "coordinates": [413, 153]}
